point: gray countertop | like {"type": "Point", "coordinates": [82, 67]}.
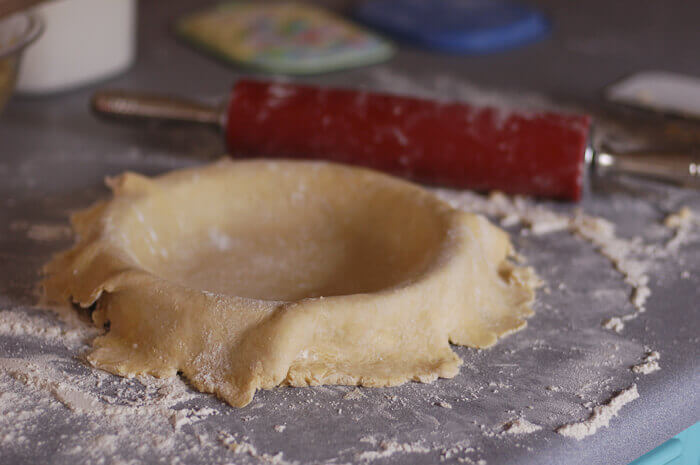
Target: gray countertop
{"type": "Point", "coordinates": [54, 155]}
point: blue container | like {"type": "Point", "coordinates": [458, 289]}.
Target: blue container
{"type": "Point", "coordinates": [463, 26]}
{"type": "Point", "coordinates": [683, 449]}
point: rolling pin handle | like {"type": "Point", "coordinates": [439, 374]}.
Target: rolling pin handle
{"type": "Point", "coordinates": [138, 107]}
{"type": "Point", "coordinates": [678, 168]}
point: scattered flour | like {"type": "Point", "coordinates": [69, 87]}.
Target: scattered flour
{"type": "Point", "coordinates": [520, 426]}
{"type": "Point", "coordinates": [388, 448]}
{"type": "Point", "coordinates": [183, 417]}
{"type": "Point", "coordinates": [621, 253]}
{"type": "Point", "coordinates": [511, 211]}
{"type": "Point", "coordinates": [460, 451]}
{"type": "Point", "coordinates": [49, 232]}
{"type": "Point", "coordinates": [635, 271]}
{"type": "Point", "coordinates": [650, 364]}
{"type": "Point", "coordinates": [110, 411]}
{"type": "Point", "coordinates": [601, 416]}
{"type": "Point", "coordinates": [242, 447]}
{"type": "Point", "coordinates": [73, 392]}
{"type": "Point", "coordinates": [42, 232]}
{"type": "Point", "coordinates": [540, 220]}
{"type": "Point", "coordinates": [614, 324]}
{"type": "Point", "coordinates": [37, 326]}
{"type": "Point", "coordinates": [369, 439]}
{"type": "Point", "coordinates": [681, 222]}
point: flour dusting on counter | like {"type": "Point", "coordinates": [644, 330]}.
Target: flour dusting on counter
{"type": "Point", "coordinates": [601, 416]}
{"type": "Point", "coordinates": [388, 448]}
{"type": "Point", "coordinates": [681, 223]}
{"type": "Point", "coordinates": [520, 426]}
{"type": "Point", "coordinates": [650, 364]}
{"type": "Point", "coordinates": [242, 447]}
{"type": "Point", "coordinates": [43, 232]}
{"type": "Point", "coordinates": [622, 253]}
{"type": "Point", "coordinates": [443, 404]}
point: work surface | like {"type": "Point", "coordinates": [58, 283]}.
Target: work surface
{"type": "Point", "coordinates": [54, 408]}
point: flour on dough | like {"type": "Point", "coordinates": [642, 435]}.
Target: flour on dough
{"type": "Point", "coordinates": [251, 274]}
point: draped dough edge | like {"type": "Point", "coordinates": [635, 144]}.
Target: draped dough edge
{"type": "Point", "coordinates": [469, 294]}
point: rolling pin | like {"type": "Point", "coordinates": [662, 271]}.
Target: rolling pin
{"type": "Point", "coordinates": [440, 143]}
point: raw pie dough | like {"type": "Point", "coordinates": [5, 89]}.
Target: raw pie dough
{"type": "Point", "coordinates": [251, 274]}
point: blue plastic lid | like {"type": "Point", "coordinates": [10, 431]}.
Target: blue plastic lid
{"type": "Point", "coordinates": [465, 26]}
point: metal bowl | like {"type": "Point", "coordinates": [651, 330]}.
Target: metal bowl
{"type": "Point", "coordinates": [17, 31]}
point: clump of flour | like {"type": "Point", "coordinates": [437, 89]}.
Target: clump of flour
{"type": "Point", "coordinates": [681, 223]}
{"type": "Point", "coordinates": [520, 426]}
{"type": "Point", "coordinates": [650, 364]}
{"type": "Point", "coordinates": [241, 446]}
{"type": "Point", "coordinates": [387, 448]}
{"type": "Point", "coordinates": [601, 416]}
{"type": "Point", "coordinates": [42, 232]}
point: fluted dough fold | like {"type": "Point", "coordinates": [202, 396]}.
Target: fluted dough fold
{"type": "Point", "coordinates": [251, 274]}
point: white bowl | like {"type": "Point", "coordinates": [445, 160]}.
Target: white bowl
{"type": "Point", "coordinates": [84, 41]}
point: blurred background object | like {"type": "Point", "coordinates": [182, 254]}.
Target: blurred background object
{"type": "Point", "coordinates": [660, 91]}
{"type": "Point", "coordinates": [458, 26]}
{"type": "Point", "coordinates": [282, 37]}
{"type": "Point", "coordinates": [7, 7]}
{"type": "Point", "coordinates": [17, 31]}
{"type": "Point", "coordinates": [84, 41]}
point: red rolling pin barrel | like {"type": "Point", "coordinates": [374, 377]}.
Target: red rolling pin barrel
{"type": "Point", "coordinates": [441, 143]}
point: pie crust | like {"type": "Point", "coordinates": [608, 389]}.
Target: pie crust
{"type": "Point", "coordinates": [250, 274]}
